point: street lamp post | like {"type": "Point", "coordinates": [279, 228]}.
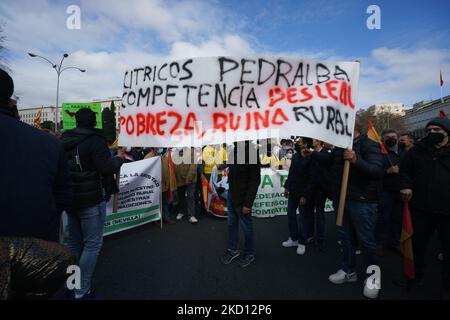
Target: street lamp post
{"type": "Point", "coordinates": [59, 70]}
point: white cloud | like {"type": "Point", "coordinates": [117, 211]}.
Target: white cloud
{"type": "Point", "coordinates": [400, 75]}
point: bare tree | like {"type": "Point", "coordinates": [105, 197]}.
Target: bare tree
{"type": "Point", "coordinates": [3, 62]}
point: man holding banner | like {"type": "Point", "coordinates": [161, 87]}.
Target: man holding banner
{"type": "Point", "coordinates": [366, 172]}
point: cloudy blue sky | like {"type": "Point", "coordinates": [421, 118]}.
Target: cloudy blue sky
{"type": "Point", "coordinates": [399, 63]}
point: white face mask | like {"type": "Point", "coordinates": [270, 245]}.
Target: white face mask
{"type": "Point", "coordinates": [289, 155]}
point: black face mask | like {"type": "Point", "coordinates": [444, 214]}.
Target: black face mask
{"type": "Point", "coordinates": [435, 138]}
{"type": "Point", "coordinates": [401, 145]}
{"type": "Point", "coordinates": [391, 142]}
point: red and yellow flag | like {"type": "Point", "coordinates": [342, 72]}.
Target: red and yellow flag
{"type": "Point", "coordinates": [206, 189]}
{"type": "Point", "coordinates": [373, 135]}
{"type": "Point", "coordinates": [172, 176]}
{"type": "Point", "coordinates": [37, 120]}
{"type": "Point", "coordinates": [406, 243]}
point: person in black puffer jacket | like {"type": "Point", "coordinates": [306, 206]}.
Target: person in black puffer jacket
{"type": "Point", "coordinates": [425, 182]}
{"type": "Point", "coordinates": [91, 169]}
{"type": "Point", "coordinates": [364, 186]}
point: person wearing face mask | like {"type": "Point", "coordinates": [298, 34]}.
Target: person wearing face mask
{"type": "Point", "coordinates": [389, 222]}
{"type": "Point", "coordinates": [425, 183]}
{"type": "Point", "coordinates": [405, 141]}
{"type": "Point", "coordinates": [287, 159]}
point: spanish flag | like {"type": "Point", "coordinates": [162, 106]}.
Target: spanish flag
{"type": "Point", "coordinates": [206, 189]}
{"type": "Point", "coordinates": [406, 243]}
{"type": "Point", "coordinates": [373, 135]}
{"type": "Point", "coordinates": [37, 120]}
{"type": "Point", "coordinates": [172, 176]}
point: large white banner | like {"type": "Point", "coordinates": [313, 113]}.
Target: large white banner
{"type": "Point", "coordinates": [139, 196]}
{"type": "Point", "coordinates": [216, 100]}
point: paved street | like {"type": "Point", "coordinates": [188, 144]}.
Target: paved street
{"type": "Point", "coordinates": [182, 261]}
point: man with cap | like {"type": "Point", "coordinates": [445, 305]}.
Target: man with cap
{"type": "Point", "coordinates": [34, 190]}
{"type": "Point", "coordinates": [425, 182]}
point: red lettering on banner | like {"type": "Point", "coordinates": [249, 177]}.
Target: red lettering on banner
{"type": "Point", "coordinates": [150, 124]}
{"type": "Point", "coordinates": [190, 117]}
{"type": "Point", "coordinates": [331, 88]}
{"type": "Point", "coordinates": [140, 123]}
{"type": "Point", "coordinates": [291, 93]}
{"type": "Point", "coordinates": [122, 122]}
{"type": "Point", "coordinates": [319, 92]}
{"type": "Point", "coordinates": [219, 121]}
{"type": "Point", "coordinates": [248, 118]}
{"type": "Point", "coordinates": [276, 91]}
{"type": "Point", "coordinates": [127, 126]}
{"type": "Point", "coordinates": [178, 120]}
{"type": "Point", "coordinates": [350, 97]}
{"type": "Point", "coordinates": [234, 125]}
{"type": "Point", "coordinates": [343, 93]}
{"type": "Point", "coordinates": [159, 122]}
{"type": "Point", "coordinates": [279, 113]}
{"type": "Point", "coordinates": [337, 90]}
{"type": "Point", "coordinates": [264, 119]}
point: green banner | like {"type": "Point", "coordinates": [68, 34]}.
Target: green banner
{"type": "Point", "coordinates": [69, 110]}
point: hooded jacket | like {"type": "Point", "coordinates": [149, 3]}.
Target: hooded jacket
{"type": "Point", "coordinates": [92, 174]}
{"type": "Point", "coordinates": [426, 171]}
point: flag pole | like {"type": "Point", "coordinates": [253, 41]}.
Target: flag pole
{"type": "Point", "coordinates": [343, 194]}
{"type": "Point", "coordinates": [116, 195]}
{"type": "Point", "coordinates": [344, 184]}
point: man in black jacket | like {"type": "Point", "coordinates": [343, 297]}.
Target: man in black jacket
{"type": "Point", "coordinates": [364, 185]}
{"type": "Point", "coordinates": [34, 189]}
{"type": "Point", "coordinates": [389, 223]}
{"type": "Point", "coordinates": [91, 169]}
{"type": "Point", "coordinates": [425, 182]}
{"type": "Point", "coordinates": [244, 177]}
{"type": "Point", "coordinates": [297, 188]}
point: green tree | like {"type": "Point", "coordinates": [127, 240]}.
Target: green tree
{"type": "Point", "coordinates": [381, 121]}
{"type": "Point", "coordinates": [50, 125]}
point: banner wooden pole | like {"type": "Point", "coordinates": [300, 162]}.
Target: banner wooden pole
{"type": "Point", "coordinates": [116, 195]}
{"type": "Point", "coordinates": [343, 195]}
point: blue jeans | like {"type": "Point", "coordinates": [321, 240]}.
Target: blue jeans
{"type": "Point", "coordinates": [85, 240]}
{"type": "Point", "coordinates": [235, 218]}
{"type": "Point", "coordinates": [390, 215]}
{"type": "Point", "coordinates": [319, 217]}
{"type": "Point", "coordinates": [165, 206]}
{"type": "Point", "coordinates": [298, 231]}
{"type": "Point", "coordinates": [358, 223]}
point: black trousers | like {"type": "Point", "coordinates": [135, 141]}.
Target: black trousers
{"type": "Point", "coordinates": [425, 225]}
{"type": "Point", "coordinates": [32, 268]}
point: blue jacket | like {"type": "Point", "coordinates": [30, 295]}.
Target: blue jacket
{"type": "Point", "coordinates": [34, 181]}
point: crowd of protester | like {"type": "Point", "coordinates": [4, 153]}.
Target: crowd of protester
{"type": "Point", "coordinates": [74, 172]}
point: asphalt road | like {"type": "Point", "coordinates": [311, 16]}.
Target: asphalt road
{"type": "Point", "coordinates": [182, 262]}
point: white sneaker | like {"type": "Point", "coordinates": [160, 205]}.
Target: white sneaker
{"type": "Point", "coordinates": [289, 243]}
{"type": "Point", "coordinates": [341, 277]}
{"type": "Point", "coordinates": [193, 219]}
{"type": "Point", "coordinates": [180, 216]}
{"type": "Point", "coordinates": [371, 293]}
{"type": "Point", "coordinates": [301, 249]}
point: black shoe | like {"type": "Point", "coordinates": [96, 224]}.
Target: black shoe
{"type": "Point", "coordinates": [229, 256]}
{"type": "Point", "coordinates": [246, 260]}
